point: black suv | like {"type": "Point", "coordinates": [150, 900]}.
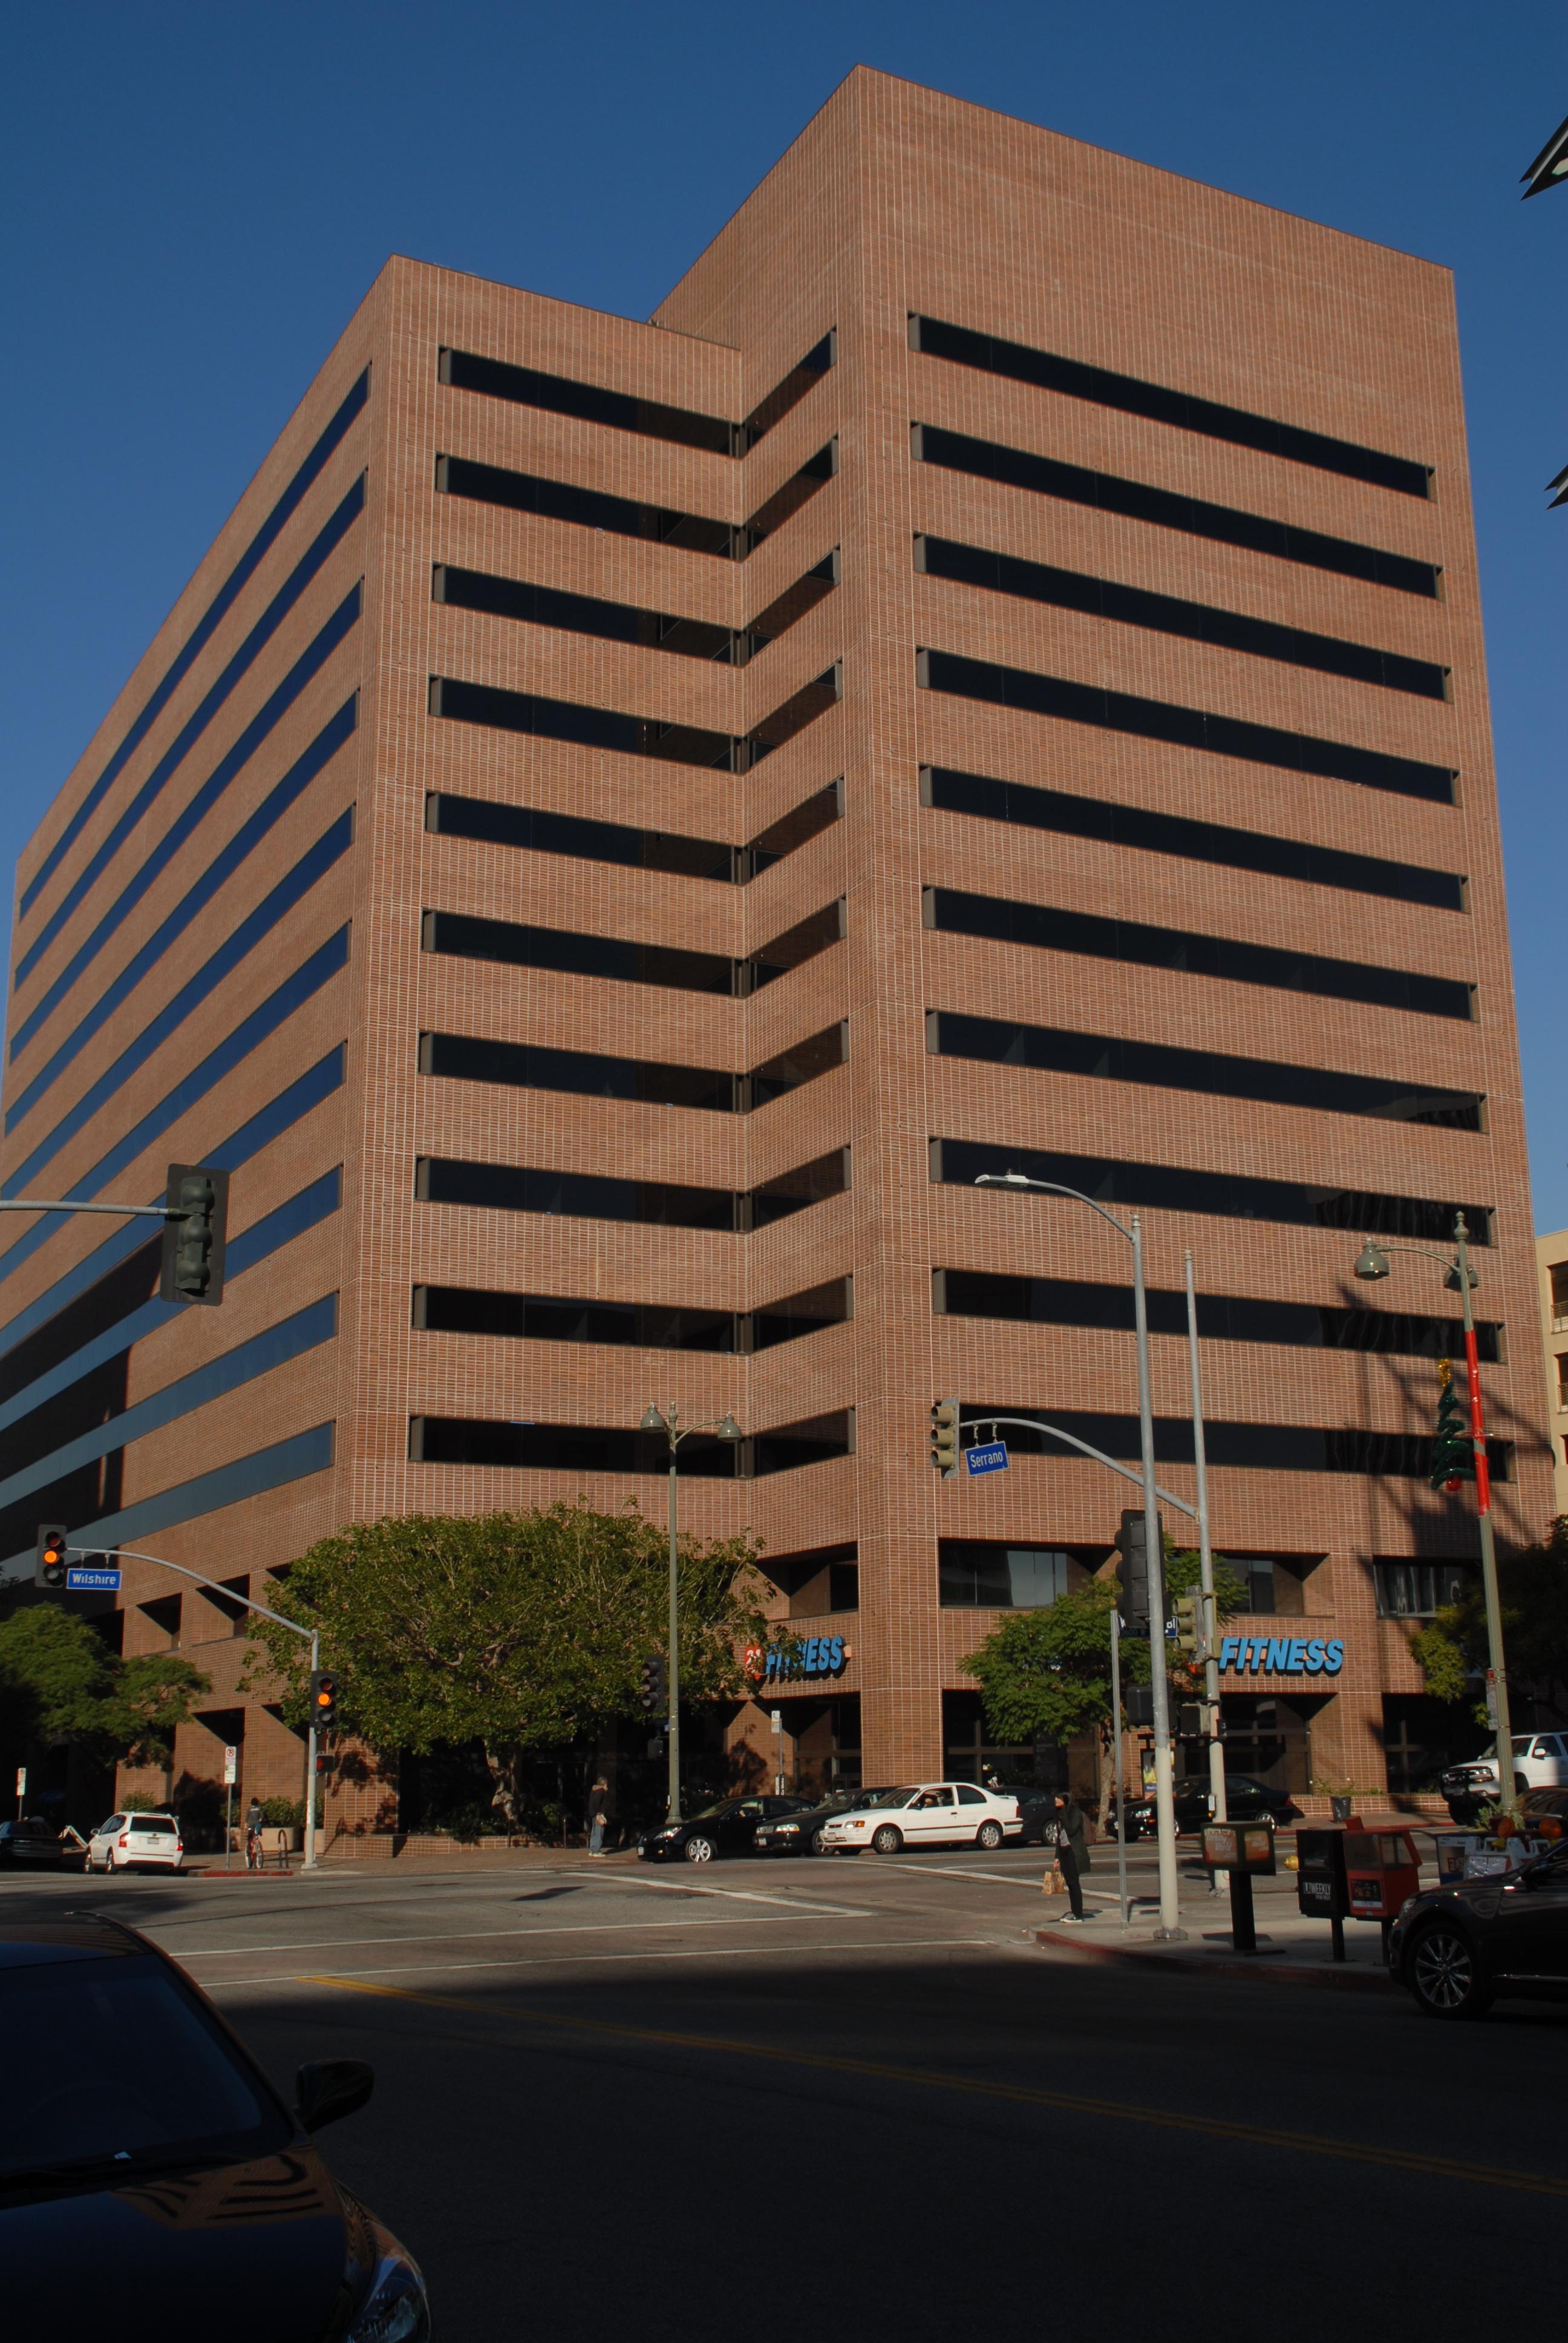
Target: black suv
{"type": "Point", "coordinates": [1455, 1948]}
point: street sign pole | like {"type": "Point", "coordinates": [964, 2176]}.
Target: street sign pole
{"type": "Point", "coordinates": [20, 1789]}
{"type": "Point", "coordinates": [231, 1768]}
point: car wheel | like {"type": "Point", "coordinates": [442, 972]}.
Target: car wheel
{"type": "Point", "coordinates": [888, 1840]}
{"type": "Point", "coordinates": [989, 1835]}
{"type": "Point", "coordinates": [817, 1843]}
{"type": "Point", "coordinates": [699, 1850]}
{"type": "Point", "coordinates": [1443, 1974]}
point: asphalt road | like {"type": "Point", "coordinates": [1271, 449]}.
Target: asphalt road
{"type": "Point", "coordinates": [851, 2097]}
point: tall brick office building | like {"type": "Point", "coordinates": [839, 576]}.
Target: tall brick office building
{"type": "Point", "coordinates": [630, 821]}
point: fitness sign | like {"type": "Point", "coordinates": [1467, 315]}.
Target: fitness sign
{"type": "Point", "coordinates": [1282, 1655]}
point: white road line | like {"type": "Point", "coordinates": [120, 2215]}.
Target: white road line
{"type": "Point", "coordinates": [953, 1871]}
{"type": "Point", "coordinates": [465, 1936]}
{"type": "Point", "coordinates": [738, 1894]}
{"type": "Point", "coordinates": [728, 1953]}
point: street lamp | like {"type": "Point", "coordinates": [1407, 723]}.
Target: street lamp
{"type": "Point", "coordinates": [1373, 1264]}
{"type": "Point", "coordinates": [667, 1420]}
{"type": "Point", "coordinates": [1170, 1929]}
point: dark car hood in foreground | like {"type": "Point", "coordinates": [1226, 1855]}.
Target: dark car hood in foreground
{"type": "Point", "coordinates": [249, 2253]}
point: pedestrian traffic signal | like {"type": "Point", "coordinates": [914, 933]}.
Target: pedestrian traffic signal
{"type": "Point", "coordinates": [196, 1200]}
{"type": "Point", "coordinates": [1134, 1570]}
{"type": "Point", "coordinates": [1189, 1721]}
{"type": "Point", "coordinates": [1452, 1450]}
{"type": "Point", "coordinates": [945, 1436]}
{"type": "Point", "coordinates": [653, 1684]}
{"type": "Point", "coordinates": [53, 1553]}
{"type": "Point", "coordinates": [1190, 1622]}
{"type": "Point", "coordinates": [323, 1699]}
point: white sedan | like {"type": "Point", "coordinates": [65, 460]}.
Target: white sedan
{"type": "Point", "coordinates": [927, 1814]}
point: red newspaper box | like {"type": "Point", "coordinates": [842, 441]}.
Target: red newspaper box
{"type": "Point", "coordinates": [1382, 1869]}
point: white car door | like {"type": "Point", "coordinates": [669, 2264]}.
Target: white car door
{"type": "Point", "coordinates": [932, 1815]}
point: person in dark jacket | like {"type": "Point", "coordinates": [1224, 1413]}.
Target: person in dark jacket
{"type": "Point", "coordinates": [598, 1815]}
{"type": "Point", "coordinates": [1072, 1855]}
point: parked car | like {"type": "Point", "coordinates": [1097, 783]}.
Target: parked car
{"type": "Point", "coordinates": [1247, 1800]}
{"type": "Point", "coordinates": [807, 1833]}
{"type": "Point", "coordinates": [1455, 1948]}
{"type": "Point", "coordinates": [152, 2182]}
{"type": "Point", "coordinates": [1546, 1813]}
{"type": "Point", "coordinates": [726, 1829]}
{"type": "Point", "coordinates": [136, 1842]}
{"type": "Point", "coordinates": [1540, 1762]}
{"type": "Point", "coordinates": [31, 1842]}
{"type": "Point", "coordinates": [1036, 1808]}
{"type": "Point", "coordinates": [928, 1814]}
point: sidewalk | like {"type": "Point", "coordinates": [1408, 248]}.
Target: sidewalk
{"type": "Point", "coordinates": [1291, 1950]}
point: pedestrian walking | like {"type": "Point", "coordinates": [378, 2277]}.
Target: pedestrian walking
{"type": "Point", "coordinates": [1072, 1855]}
{"type": "Point", "coordinates": [598, 1815]}
{"type": "Point", "coordinates": [253, 1819]}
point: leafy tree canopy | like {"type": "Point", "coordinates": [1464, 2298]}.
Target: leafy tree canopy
{"type": "Point", "coordinates": [517, 1630]}
{"type": "Point", "coordinates": [60, 1682]}
{"type": "Point", "coordinates": [1532, 1593]}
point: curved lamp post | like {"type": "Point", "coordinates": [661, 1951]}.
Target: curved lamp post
{"type": "Point", "coordinates": [1164, 1791]}
{"type": "Point", "coordinates": [667, 1420]}
{"type": "Point", "coordinates": [1373, 1264]}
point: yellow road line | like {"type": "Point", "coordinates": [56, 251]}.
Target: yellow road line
{"type": "Point", "coordinates": [1392, 2159]}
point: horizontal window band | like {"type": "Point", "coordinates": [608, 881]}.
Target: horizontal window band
{"type": "Point", "coordinates": [274, 1467]}
{"type": "Point", "coordinates": [603, 1448]}
{"type": "Point", "coordinates": [624, 622]}
{"type": "Point", "coordinates": [304, 1330]}
{"type": "Point", "coordinates": [649, 419]}
{"type": "Point", "coordinates": [988, 1575]}
{"type": "Point", "coordinates": [241, 940]}
{"type": "Point", "coordinates": [633, 736]}
{"type": "Point", "coordinates": [1169, 614]}
{"type": "Point", "coordinates": [305, 770]}
{"type": "Point", "coordinates": [1015, 467]}
{"type": "Point", "coordinates": [959, 1164]}
{"type": "Point", "coordinates": [1130, 942]}
{"type": "Point", "coordinates": [1139, 827]}
{"type": "Point", "coordinates": [1185, 727]}
{"type": "Point", "coordinates": [641, 1325]}
{"type": "Point", "coordinates": [124, 1305]}
{"type": "Point", "coordinates": [529, 492]}
{"type": "Point", "coordinates": [499, 824]}
{"type": "Point", "coordinates": [522, 1065]}
{"type": "Point", "coordinates": [589, 1196]}
{"type": "Point", "coordinates": [459, 935]}
{"type": "Point", "coordinates": [1221, 1317]}
{"type": "Point", "coordinates": [1099, 386]}
{"type": "Point", "coordinates": [1243, 1447]}
{"type": "Point", "coordinates": [280, 1114]}
{"type": "Point", "coordinates": [1321, 1089]}
{"type": "Point", "coordinates": [249, 652]}
{"type": "Point", "coordinates": [201, 634]}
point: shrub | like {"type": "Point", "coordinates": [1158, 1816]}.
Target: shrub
{"type": "Point", "coordinates": [287, 1813]}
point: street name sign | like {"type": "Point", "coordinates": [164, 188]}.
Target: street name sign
{"type": "Point", "coordinates": [992, 1458]}
{"type": "Point", "coordinates": [82, 1580]}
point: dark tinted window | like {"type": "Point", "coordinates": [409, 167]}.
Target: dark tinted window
{"type": "Point", "coordinates": [462, 1057]}
{"type": "Point", "coordinates": [1167, 614]}
{"type": "Point", "coordinates": [585, 1195]}
{"type": "Point", "coordinates": [1187, 728]}
{"type": "Point", "coordinates": [984, 459]}
{"type": "Point", "coordinates": [600, 1448]}
{"type": "Point", "coordinates": [619, 411]}
{"type": "Point", "coordinates": [1099, 385]}
{"type": "Point", "coordinates": [630, 736]}
{"type": "Point", "coordinates": [656, 1326]}
{"type": "Point", "coordinates": [1249, 1447]}
{"type": "Point", "coordinates": [1195, 842]}
{"type": "Point", "coordinates": [1226, 957]}
{"type": "Point", "coordinates": [1107, 1056]}
{"type": "Point", "coordinates": [491, 484]}
{"type": "Point", "coordinates": [648, 849]}
{"type": "Point", "coordinates": [462, 936]}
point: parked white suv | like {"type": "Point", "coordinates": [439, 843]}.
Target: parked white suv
{"type": "Point", "coordinates": [129, 1842]}
{"type": "Point", "coordinates": [1540, 1762]}
{"type": "Point", "coordinates": [927, 1814]}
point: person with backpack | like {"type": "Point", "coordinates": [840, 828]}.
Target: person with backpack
{"type": "Point", "coordinates": [1073, 1855]}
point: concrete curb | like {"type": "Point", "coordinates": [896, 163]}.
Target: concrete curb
{"type": "Point", "coordinates": [1264, 1971]}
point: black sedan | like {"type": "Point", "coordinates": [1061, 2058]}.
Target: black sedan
{"type": "Point", "coordinates": [30, 1844]}
{"type": "Point", "coordinates": [1455, 1948]}
{"type": "Point", "coordinates": [801, 1834]}
{"type": "Point", "coordinates": [1247, 1800]}
{"type": "Point", "coordinates": [726, 1829]}
{"type": "Point", "coordinates": [152, 2183]}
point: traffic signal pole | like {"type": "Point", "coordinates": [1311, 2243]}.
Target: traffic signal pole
{"type": "Point", "coordinates": [130, 1554]}
{"type": "Point", "coordinates": [1205, 1565]}
{"type": "Point", "coordinates": [1170, 1929]}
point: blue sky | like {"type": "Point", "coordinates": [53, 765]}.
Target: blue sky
{"type": "Point", "coordinates": [196, 197]}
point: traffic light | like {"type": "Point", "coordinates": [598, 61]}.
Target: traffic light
{"type": "Point", "coordinates": [1135, 1571]}
{"type": "Point", "coordinates": [1190, 1622]}
{"type": "Point", "coordinates": [653, 1684]}
{"type": "Point", "coordinates": [323, 1699]}
{"type": "Point", "coordinates": [945, 1436]}
{"type": "Point", "coordinates": [1189, 1721]}
{"type": "Point", "coordinates": [194, 1237]}
{"type": "Point", "coordinates": [53, 1553]}
{"type": "Point", "coordinates": [1452, 1450]}
{"type": "Point", "coordinates": [1139, 1704]}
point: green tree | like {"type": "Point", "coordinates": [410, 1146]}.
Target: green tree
{"type": "Point", "coordinates": [520, 1630]}
{"type": "Point", "coordinates": [60, 1682]}
{"type": "Point", "coordinates": [1184, 1571]}
{"type": "Point", "coordinates": [1532, 1595]}
{"type": "Point", "coordinates": [1046, 1674]}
